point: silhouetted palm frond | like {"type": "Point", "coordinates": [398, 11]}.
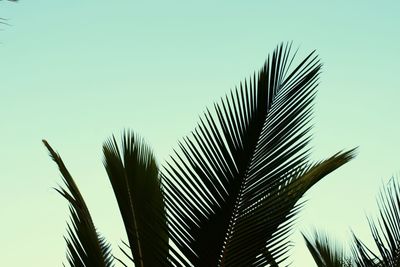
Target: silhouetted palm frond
{"type": "Point", "coordinates": [232, 191]}
{"type": "Point", "coordinates": [326, 252]}
{"type": "Point", "coordinates": [385, 231]}
{"type": "Point", "coordinates": [85, 246]}
{"type": "Point", "coordinates": [134, 176]}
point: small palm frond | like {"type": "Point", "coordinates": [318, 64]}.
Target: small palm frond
{"type": "Point", "coordinates": [385, 231]}
{"type": "Point", "coordinates": [364, 257]}
{"type": "Point", "coordinates": [274, 213]}
{"type": "Point", "coordinates": [85, 246]}
{"type": "Point", "coordinates": [231, 190]}
{"type": "Point", "coordinates": [134, 176]}
{"type": "Point", "coordinates": [326, 252]}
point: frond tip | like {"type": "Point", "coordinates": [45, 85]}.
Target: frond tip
{"type": "Point", "coordinates": [85, 245]}
{"type": "Point", "coordinates": [134, 176]}
{"type": "Point", "coordinates": [326, 252]}
{"type": "Point", "coordinates": [385, 231]}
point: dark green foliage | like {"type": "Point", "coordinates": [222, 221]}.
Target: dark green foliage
{"type": "Point", "coordinates": [85, 246]}
{"type": "Point", "coordinates": [133, 174]}
{"type": "Point", "coordinates": [232, 190]}
{"type": "Point", "coordinates": [230, 196]}
{"type": "Point", "coordinates": [326, 252]}
{"type": "Point", "coordinates": [385, 231]}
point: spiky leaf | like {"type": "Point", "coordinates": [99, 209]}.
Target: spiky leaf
{"type": "Point", "coordinates": [326, 252]}
{"type": "Point", "coordinates": [385, 231]}
{"type": "Point", "coordinates": [227, 188]}
{"type": "Point", "coordinates": [85, 245]}
{"type": "Point", "coordinates": [134, 176]}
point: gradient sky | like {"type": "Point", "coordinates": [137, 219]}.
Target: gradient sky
{"type": "Point", "coordinates": [74, 72]}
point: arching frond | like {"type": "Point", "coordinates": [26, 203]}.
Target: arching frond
{"type": "Point", "coordinates": [231, 190]}
{"type": "Point", "coordinates": [85, 246]}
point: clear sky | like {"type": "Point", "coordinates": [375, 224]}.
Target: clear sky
{"type": "Point", "coordinates": [74, 72]}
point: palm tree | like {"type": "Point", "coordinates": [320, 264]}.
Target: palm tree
{"type": "Point", "coordinates": [385, 232]}
{"type": "Point", "coordinates": [230, 195]}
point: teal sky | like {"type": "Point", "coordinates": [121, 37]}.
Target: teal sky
{"type": "Point", "coordinates": [74, 72]}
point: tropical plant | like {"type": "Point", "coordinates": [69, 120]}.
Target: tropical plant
{"type": "Point", "coordinates": [85, 246]}
{"type": "Point", "coordinates": [385, 232]}
{"type": "Point", "coordinates": [230, 195]}
{"type": "Point", "coordinates": [326, 252]}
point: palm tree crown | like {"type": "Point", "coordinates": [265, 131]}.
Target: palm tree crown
{"type": "Point", "coordinates": [229, 196]}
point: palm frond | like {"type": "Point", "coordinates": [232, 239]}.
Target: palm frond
{"type": "Point", "coordinates": [273, 215]}
{"type": "Point", "coordinates": [326, 252]}
{"type": "Point", "coordinates": [227, 189]}
{"type": "Point", "coordinates": [85, 246]}
{"type": "Point", "coordinates": [385, 231]}
{"type": "Point", "coordinates": [134, 177]}
{"type": "Point", "coordinates": [363, 256]}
